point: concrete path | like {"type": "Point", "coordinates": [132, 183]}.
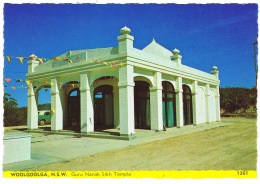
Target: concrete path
{"type": "Point", "coordinates": [46, 149]}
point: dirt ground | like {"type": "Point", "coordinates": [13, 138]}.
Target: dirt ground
{"type": "Point", "coordinates": [231, 147]}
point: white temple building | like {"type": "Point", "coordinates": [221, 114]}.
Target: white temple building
{"type": "Point", "coordinates": [123, 87]}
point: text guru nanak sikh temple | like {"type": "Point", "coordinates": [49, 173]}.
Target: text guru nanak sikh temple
{"type": "Point", "coordinates": [123, 88]}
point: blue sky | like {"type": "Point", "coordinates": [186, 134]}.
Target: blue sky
{"type": "Point", "coordinates": [207, 35]}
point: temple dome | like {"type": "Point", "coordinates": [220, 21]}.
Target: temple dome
{"type": "Point", "coordinates": [156, 49]}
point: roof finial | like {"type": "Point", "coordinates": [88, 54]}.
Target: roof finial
{"type": "Point", "coordinates": [125, 31]}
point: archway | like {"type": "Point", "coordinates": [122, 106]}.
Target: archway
{"type": "Point", "coordinates": [73, 122]}
{"type": "Point", "coordinates": [168, 104]}
{"type": "Point", "coordinates": [44, 105]}
{"type": "Point", "coordinates": [103, 107]}
{"type": "Point", "coordinates": [187, 105]}
{"type": "Point", "coordinates": [142, 105]}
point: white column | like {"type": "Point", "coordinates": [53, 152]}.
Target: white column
{"type": "Point", "coordinates": [156, 103]}
{"type": "Point", "coordinates": [195, 102]}
{"type": "Point", "coordinates": [56, 107]}
{"type": "Point", "coordinates": [32, 109]}
{"type": "Point", "coordinates": [207, 95]}
{"type": "Point", "coordinates": [126, 100]}
{"type": "Point", "coordinates": [86, 105]}
{"type": "Point", "coordinates": [179, 102]}
{"type": "Point", "coordinates": [218, 118]}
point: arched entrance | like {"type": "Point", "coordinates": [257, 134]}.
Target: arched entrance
{"type": "Point", "coordinates": [187, 105]}
{"type": "Point", "coordinates": [74, 109]}
{"type": "Point", "coordinates": [44, 105]}
{"type": "Point", "coordinates": [168, 104]}
{"type": "Point", "coordinates": [142, 105]}
{"type": "Point", "coordinates": [103, 107]}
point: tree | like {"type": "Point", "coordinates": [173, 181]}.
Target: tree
{"type": "Point", "coordinates": [13, 116]}
{"type": "Point", "coordinates": [233, 99]}
{"type": "Point", "coordinates": [10, 106]}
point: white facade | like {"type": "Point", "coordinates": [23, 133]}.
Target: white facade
{"type": "Point", "coordinates": [148, 88]}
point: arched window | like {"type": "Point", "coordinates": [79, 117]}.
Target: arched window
{"type": "Point", "coordinates": [187, 105]}
{"type": "Point", "coordinates": [168, 104]}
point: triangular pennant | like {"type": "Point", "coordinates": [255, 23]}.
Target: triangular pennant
{"type": "Point", "coordinates": [28, 82]}
{"type": "Point", "coordinates": [18, 80]}
{"type": "Point", "coordinates": [114, 64]}
{"type": "Point", "coordinates": [13, 87]}
{"type": "Point", "coordinates": [40, 60]}
{"type": "Point", "coordinates": [8, 59]}
{"type": "Point", "coordinates": [105, 63]}
{"type": "Point", "coordinates": [8, 80]}
{"type": "Point", "coordinates": [21, 59]}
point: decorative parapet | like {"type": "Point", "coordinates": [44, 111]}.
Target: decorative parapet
{"type": "Point", "coordinates": [32, 63]}
{"type": "Point", "coordinates": [176, 56]}
{"type": "Point", "coordinates": [125, 40]}
{"type": "Point", "coordinates": [215, 71]}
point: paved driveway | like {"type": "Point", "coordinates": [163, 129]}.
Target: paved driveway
{"type": "Point", "coordinates": [50, 148]}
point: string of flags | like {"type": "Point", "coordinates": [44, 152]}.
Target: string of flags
{"type": "Point", "coordinates": [46, 85]}
{"type": "Point", "coordinates": [69, 60]}
{"type": "Point", "coordinates": [42, 60]}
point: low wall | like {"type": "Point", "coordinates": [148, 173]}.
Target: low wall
{"type": "Point", "coordinates": [17, 147]}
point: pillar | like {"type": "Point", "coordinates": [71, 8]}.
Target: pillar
{"type": "Point", "coordinates": [56, 107]}
{"type": "Point", "coordinates": [125, 40]}
{"type": "Point", "coordinates": [218, 118]}
{"type": "Point", "coordinates": [179, 102]}
{"type": "Point", "coordinates": [86, 105]}
{"type": "Point", "coordinates": [195, 102]}
{"type": "Point", "coordinates": [156, 103]}
{"type": "Point", "coordinates": [32, 109]}
{"type": "Point", "coordinates": [126, 100]}
{"type": "Point", "coordinates": [207, 95]}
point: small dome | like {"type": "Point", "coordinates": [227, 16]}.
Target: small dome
{"type": "Point", "coordinates": [157, 49]}
{"type": "Point", "coordinates": [214, 68]}
{"type": "Point", "coordinates": [125, 30]}
{"type": "Point", "coordinates": [176, 52]}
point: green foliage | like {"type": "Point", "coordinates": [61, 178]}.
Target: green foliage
{"type": "Point", "coordinates": [12, 115]}
{"type": "Point", "coordinates": [232, 99]}
{"type": "Point", "coordinates": [44, 106]}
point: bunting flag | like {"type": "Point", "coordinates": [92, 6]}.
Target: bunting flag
{"type": "Point", "coordinates": [18, 80]}
{"type": "Point", "coordinates": [28, 82]}
{"type": "Point", "coordinates": [8, 58]}
{"type": "Point", "coordinates": [7, 79]}
{"type": "Point", "coordinates": [114, 64]}
{"type": "Point", "coordinates": [13, 87]}
{"type": "Point", "coordinates": [21, 59]}
{"type": "Point", "coordinates": [40, 60]}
